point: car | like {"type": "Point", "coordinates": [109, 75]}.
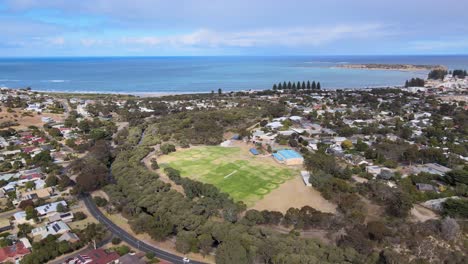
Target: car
{"type": "Point", "coordinates": [186, 260]}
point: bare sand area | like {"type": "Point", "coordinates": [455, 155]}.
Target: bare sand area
{"type": "Point", "coordinates": [294, 193]}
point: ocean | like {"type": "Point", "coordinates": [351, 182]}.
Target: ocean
{"type": "Point", "coordinates": [144, 75]}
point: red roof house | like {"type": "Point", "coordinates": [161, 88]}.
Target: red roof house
{"type": "Point", "coordinates": [14, 252]}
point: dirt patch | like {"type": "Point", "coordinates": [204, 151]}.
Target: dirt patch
{"type": "Point", "coordinates": [374, 211]}
{"type": "Point", "coordinates": [26, 118]}
{"type": "Point", "coordinates": [422, 214]}
{"type": "Point", "coordinates": [294, 193]}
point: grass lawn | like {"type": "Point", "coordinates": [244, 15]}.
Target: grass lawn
{"type": "Point", "coordinates": [233, 170]}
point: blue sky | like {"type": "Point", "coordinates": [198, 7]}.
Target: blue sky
{"type": "Point", "coordinates": [237, 27]}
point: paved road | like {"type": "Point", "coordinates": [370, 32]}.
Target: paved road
{"type": "Point", "coordinates": [134, 242]}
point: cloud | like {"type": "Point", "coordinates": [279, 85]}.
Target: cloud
{"type": "Point", "coordinates": [57, 41]}
{"type": "Point", "coordinates": [437, 45]}
{"type": "Point", "coordinates": [315, 36]}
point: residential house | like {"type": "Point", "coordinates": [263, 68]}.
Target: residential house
{"type": "Point", "coordinates": [49, 209]}
{"type": "Point", "coordinates": [13, 253]}
{"type": "Point", "coordinates": [96, 256]}
{"type": "Point", "coordinates": [55, 228]}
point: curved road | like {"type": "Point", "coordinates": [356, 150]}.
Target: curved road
{"type": "Point", "coordinates": [125, 236]}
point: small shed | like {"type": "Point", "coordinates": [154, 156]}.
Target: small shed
{"type": "Point", "coordinates": [254, 151]}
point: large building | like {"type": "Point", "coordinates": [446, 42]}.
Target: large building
{"type": "Point", "coordinates": [288, 157]}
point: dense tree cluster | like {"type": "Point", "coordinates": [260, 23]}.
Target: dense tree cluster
{"type": "Point", "coordinates": [459, 74]}
{"type": "Point", "coordinates": [415, 82]}
{"type": "Point", "coordinates": [437, 74]}
{"type": "Point", "coordinates": [93, 169]}
{"type": "Point", "coordinates": [299, 86]}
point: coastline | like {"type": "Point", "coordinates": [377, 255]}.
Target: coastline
{"type": "Point", "coordinates": [175, 93]}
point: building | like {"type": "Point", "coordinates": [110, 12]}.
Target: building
{"type": "Point", "coordinates": [49, 209]}
{"type": "Point", "coordinates": [55, 228]}
{"type": "Point", "coordinates": [288, 157]}
{"type": "Point", "coordinates": [5, 224]}
{"type": "Point", "coordinates": [64, 217]}
{"type": "Point", "coordinates": [130, 258]}
{"type": "Point", "coordinates": [96, 256]}
{"type": "Point", "coordinates": [20, 218]}
{"type": "Point", "coordinates": [424, 187]}
{"type": "Point", "coordinates": [432, 168]}
{"type": "Point", "coordinates": [13, 253]}
{"type": "Point", "coordinates": [305, 177]}
{"type": "Point", "coordinates": [254, 151]}
{"type": "Point", "coordinates": [69, 237]}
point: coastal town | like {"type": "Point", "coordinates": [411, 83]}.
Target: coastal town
{"type": "Point", "coordinates": [103, 178]}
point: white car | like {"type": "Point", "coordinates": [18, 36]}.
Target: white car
{"type": "Point", "coordinates": [186, 260]}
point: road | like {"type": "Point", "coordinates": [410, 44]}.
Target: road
{"type": "Point", "coordinates": [125, 236]}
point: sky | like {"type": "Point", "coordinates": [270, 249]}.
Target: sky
{"type": "Point", "coordinates": [48, 28]}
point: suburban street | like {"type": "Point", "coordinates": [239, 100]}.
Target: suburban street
{"type": "Point", "coordinates": [134, 242]}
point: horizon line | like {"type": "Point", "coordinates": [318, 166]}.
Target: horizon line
{"type": "Point", "coordinates": [186, 56]}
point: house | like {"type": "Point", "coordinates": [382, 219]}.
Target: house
{"type": "Point", "coordinates": [424, 187]}
{"type": "Point", "coordinates": [131, 258]}
{"type": "Point", "coordinates": [274, 125]}
{"type": "Point", "coordinates": [47, 119]}
{"type": "Point", "coordinates": [69, 237]}
{"type": "Point", "coordinates": [64, 217]}
{"type": "Point", "coordinates": [96, 256]}
{"type": "Point", "coordinates": [55, 228]}
{"type": "Point", "coordinates": [20, 218]}
{"type": "Point", "coordinates": [374, 170]}
{"type": "Point", "coordinates": [305, 177]}
{"type": "Point", "coordinates": [5, 224]}
{"type": "Point", "coordinates": [288, 157]}
{"type": "Point", "coordinates": [13, 253]}
{"type": "Point", "coordinates": [34, 107]}
{"type": "Point", "coordinates": [50, 208]}
{"type": "Point", "coordinates": [432, 168]}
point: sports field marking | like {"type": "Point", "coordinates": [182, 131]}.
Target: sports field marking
{"type": "Point", "coordinates": [254, 178]}
{"type": "Point", "coordinates": [227, 176]}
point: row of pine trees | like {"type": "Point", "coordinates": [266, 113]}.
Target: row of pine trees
{"type": "Point", "coordinates": [297, 86]}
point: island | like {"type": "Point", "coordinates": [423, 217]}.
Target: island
{"type": "Point", "coordinates": [393, 67]}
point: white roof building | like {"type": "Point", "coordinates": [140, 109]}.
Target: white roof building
{"type": "Point", "coordinates": [49, 208]}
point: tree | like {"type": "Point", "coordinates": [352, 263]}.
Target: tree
{"type": "Point", "coordinates": [167, 148]}
{"type": "Point", "coordinates": [42, 159]}
{"type": "Point", "coordinates": [314, 85]}
{"type": "Point", "coordinates": [308, 85]}
{"type": "Point", "coordinates": [347, 144]}
{"type": "Point", "coordinates": [116, 240]}
{"type": "Point", "coordinates": [30, 185]}
{"type": "Point", "coordinates": [220, 91]}
{"type": "Point", "coordinates": [51, 181]}
{"type": "Point", "coordinates": [154, 164]}
{"type": "Point", "coordinates": [62, 208]}
{"type": "Point", "coordinates": [303, 87]}
{"type": "Point", "coordinates": [318, 86]}
{"type": "Point", "coordinates": [449, 228]}
{"type": "Point", "coordinates": [101, 202]}
{"type": "Point", "coordinates": [186, 241]}
{"type": "Point", "coordinates": [459, 176]}
{"type": "Point", "coordinates": [231, 252]}
{"type": "Point", "coordinates": [79, 216]}
{"type": "Point", "coordinates": [275, 87]}
{"type": "Point", "coordinates": [31, 213]}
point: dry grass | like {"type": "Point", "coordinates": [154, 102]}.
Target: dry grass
{"type": "Point", "coordinates": [294, 193]}
{"type": "Point", "coordinates": [24, 121]}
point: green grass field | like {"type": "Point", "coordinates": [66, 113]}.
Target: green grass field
{"type": "Point", "coordinates": [243, 176]}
